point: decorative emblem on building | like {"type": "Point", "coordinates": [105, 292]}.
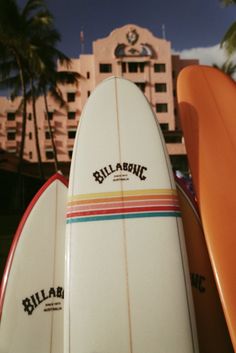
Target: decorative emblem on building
{"type": "Point", "coordinates": [133, 47]}
{"type": "Point", "coordinates": [132, 36]}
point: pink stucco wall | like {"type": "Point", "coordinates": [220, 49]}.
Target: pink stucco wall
{"type": "Point", "coordinates": [130, 51]}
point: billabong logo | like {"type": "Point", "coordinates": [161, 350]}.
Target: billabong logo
{"type": "Point", "coordinates": [135, 169]}
{"type": "Point", "coordinates": [32, 302]}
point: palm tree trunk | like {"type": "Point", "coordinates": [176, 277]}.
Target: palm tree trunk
{"type": "Point", "coordinates": [20, 188]}
{"type": "Point", "coordinates": [36, 130]}
{"type": "Point", "coordinates": [24, 114]}
{"type": "Point", "coordinates": [50, 132]}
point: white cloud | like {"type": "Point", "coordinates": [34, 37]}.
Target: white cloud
{"type": "Point", "coordinates": [207, 56]}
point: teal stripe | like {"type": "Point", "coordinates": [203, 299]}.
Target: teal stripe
{"type": "Point", "coordinates": [123, 216]}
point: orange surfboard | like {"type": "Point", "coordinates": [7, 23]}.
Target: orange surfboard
{"type": "Point", "coordinates": [213, 335]}
{"type": "Point", "coordinates": [207, 103]}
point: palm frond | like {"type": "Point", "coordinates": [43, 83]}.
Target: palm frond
{"type": "Point", "coordinates": [67, 77]}
{"type": "Point", "coordinates": [228, 42]}
{"type": "Point", "coordinates": [53, 54]}
{"type": "Point", "coordinates": [9, 14]}
{"type": "Point", "coordinates": [8, 68]}
{"type": "Point", "coordinates": [57, 95]}
{"type": "Point", "coordinates": [32, 6]}
{"type": "Point", "coordinates": [10, 82]}
{"type": "Point", "coordinates": [228, 2]}
{"type": "Point", "coordinates": [228, 67]}
{"type": "Point", "coordinates": [43, 19]}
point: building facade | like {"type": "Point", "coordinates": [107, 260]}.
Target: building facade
{"type": "Point", "coordinates": [131, 52]}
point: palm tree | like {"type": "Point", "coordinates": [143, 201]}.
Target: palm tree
{"type": "Point", "coordinates": [229, 39]}
{"type": "Point", "coordinates": [29, 60]}
{"type": "Point", "coordinates": [37, 61]}
{"type": "Point", "coordinates": [45, 74]}
{"type": "Point", "coordinates": [52, 86]}
{"type": "Point", "coordinates": [17, 28]}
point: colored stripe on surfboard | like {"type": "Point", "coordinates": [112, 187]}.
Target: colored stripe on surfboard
{"type": "Point", "coordinates": [123, 205]}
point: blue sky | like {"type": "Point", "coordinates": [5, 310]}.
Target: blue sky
{"type": "Point", "coordinates": [189, 24]}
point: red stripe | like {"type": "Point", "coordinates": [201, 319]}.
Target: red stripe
{"type": "Point", "coordinates": [123, 210]}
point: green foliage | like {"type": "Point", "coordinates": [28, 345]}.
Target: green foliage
{"type": "Point", "coordinates": [228, 42]}
{"type": "Point", "coordinates": [29, 56]}
{"type": "Point", "coordinates": [228, 2]}
{"type": "Point", "coordinates": [228, 67]}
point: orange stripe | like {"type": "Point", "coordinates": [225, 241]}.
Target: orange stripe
{"type": "Point", "coordinates": [125, 198]}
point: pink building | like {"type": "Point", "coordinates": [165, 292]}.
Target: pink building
{"type": "Point", "coordinates": [131, 52]}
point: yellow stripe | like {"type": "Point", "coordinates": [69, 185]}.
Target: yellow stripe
{"type": "Point", "coordinates": [123, 193]}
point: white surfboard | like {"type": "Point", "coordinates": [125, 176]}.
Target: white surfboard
{"type": "Point", "coordinates": [32, 290]}
{"type": "Point", "coordinates": [127, 282]}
